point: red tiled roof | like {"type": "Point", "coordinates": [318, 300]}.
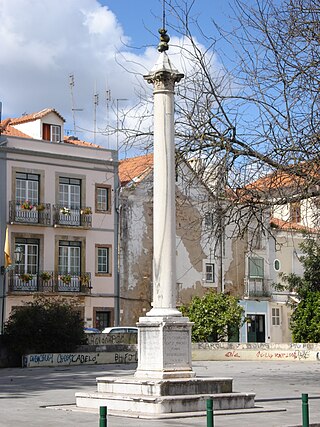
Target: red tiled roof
{"type": "Point", "coordinates": [275, 180]}
{"type": "Point", "coordinates": [303, 173]}
{"type": "Point", "coordinates": [35, 116]}
{"type": "Point", "coordinates": [7, 129]}
{"type": "Point", "coordinates": [135, 168]}
{"type": "Point", "coordinates": [288, 225]}
{"type": "Point", "coordinates": [76, 141]}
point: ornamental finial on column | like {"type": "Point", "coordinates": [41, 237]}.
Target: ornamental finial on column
{"type": "Point", "coordinates": [164, 40]}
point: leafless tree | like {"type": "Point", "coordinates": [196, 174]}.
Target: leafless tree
{"type": "Point", "coordinates": [250, 123]}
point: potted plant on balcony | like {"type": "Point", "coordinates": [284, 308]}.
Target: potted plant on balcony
{"type": "Point", "coordinates": [65, 211]}
{"type": "Point", "coordinates": [25, 277]}
{"type": "Point", "coordinates": [40, 207]}
{"type": "Point", "coordinates": [85, 280]}
{"type": "Point", "coordinates": [26, 205]}
{"type": "Point", "coordinates": [86, 211]}
{"type": "Point", "coordinates": [66, 279]}
{"type": "Point", "coordinates": [45, 276]}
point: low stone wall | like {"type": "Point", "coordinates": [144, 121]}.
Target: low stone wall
{"type": "Point", "coordinates": [127, 353]}
{"type": "Point", "coordinates": [295, 352]}
{"type": "Point", "coordinates": [81, 358]}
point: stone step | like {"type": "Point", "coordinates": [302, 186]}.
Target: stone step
{"type": "Point", "coordinates": [131, 386]}
{"type": "Point", "coordinates": [148, 406]}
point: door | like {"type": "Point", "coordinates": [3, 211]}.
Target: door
{"type": "Point", "coordinates": [256, 328]}
{"type": "Point", "coordinates": [69, 265]}
{"type": "Point", "coordinates": [26, 277]}
{"type": "Point", "coordinates": [27, 197]}
{"type": "Point", "coordinates": [69, 200]}
{"type": "Point", "coordinates": [102, 319]}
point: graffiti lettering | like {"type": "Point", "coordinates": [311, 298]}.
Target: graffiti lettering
{"type": "Point", "coordinates": [76, 358]}
{"type": "Point", "coordinates": [39, 358]}
{"type": "Point", "coordinates": [304, 354]}
{"type": "Point", "coordinates": [125, 358]}
{"type": "Point", "coordinates": [232, 354]}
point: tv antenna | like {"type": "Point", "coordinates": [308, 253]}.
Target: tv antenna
{"type": "Point", "coordinates": [108, 100]}
{"type": "Point", "coordinates": [73, 109]}
{"type": "Point", "coordinates": [95, 104]}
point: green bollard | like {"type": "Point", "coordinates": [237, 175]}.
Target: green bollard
{"type": "Point", "coordinates": [305, 410]}
{"type": "Point", "coordinates": [210, 413]}
{"type": "Point", "coordinates": [103, 416]}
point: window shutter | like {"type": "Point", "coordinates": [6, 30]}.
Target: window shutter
{"type": "Point", "coordinates": [46, 132]}
{"type": "Point", "coordinates": [256, 267]}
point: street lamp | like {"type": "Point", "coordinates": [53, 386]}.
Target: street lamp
{"type": "Point", "coordinates": [17, 260]}
{"type": "Point", "coordinates": [4, 270]}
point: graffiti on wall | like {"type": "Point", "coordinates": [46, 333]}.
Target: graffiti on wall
{"type": "Point", "coordinates": [67, 359]}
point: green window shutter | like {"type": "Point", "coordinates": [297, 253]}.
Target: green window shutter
{"type": "Point", "coordinates": [256, 267]}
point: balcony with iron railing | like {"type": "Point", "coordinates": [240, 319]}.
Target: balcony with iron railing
{"type": "Point", "coordinates": [257, 288]}
{"type": "Point", "coordinates": [72, 217]}
{"type": "Point", "coordinates": [28, 213]}
{"type": "Point", "coordinates": [49, 282]}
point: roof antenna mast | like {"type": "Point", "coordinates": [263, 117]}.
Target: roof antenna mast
{"type": "Point", "coordinates": [71, 83]}
{"type": "Point", "coordinates": [164, 38]}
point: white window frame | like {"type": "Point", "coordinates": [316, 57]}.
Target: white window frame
{"type": "Point", "coordinates": [275, 316]}
{"type": "Point", "coordinates": [55, 133]}
{"type": "Point", "coordinates": [108, 263]}
{"type": "Point", "coordinates": [209, 275]}
{"type": "Point", "coordinates": [274, 265]}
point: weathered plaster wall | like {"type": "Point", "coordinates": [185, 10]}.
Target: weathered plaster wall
{"type": "Point", "coordinates": [135, 253]}
{"type": "Point", "coordinates": [234, 265]}
{"type": "Point", "coordinates": [192, 250]}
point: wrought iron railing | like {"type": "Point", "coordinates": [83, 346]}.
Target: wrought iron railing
{"type": "Point", "coordinates": [257, 288]}
{"type": "Point", "coordinates": [72, 217]}
{"type": "Point", "coordinates": [26, 213]}
{"type": "Point", "coordinates": [49, 282]}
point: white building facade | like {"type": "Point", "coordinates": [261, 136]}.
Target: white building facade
{"type": "Point", "coordinates": [58, 205]}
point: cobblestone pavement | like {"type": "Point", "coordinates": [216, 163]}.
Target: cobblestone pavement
{"type": "Point", "coordinates": [27, 396]}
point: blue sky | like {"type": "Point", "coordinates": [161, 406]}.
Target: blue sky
{"type": "Point", "coordinates": [88, 39]}
{"type": "Point", "coordinates": [141, 19]}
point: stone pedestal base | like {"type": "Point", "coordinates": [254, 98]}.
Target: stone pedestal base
{"type": "Point", "coordinates": [163, 385]}
{"type": "Point", "coordinates": [164, 348]}
{"type": "Point", "coordinates": [130, 397]}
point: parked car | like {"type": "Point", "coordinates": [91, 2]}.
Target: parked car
{"type": "Point", "coordinates": [92, 331]}
{"type": "Point", "coordinates": [120, 330]}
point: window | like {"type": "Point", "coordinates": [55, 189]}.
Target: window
{"type": "Point", "coordinates": [295, 212]}
{"type": "Point", "coordinates": [208, 220]}
{"type": "Point", "coordinates": [70, 192]}
{"type": "Point", "coordinates": [275, 318]}
{"type": "Point", "coordinates": [30, 255]}
{"type": "Point", "coordinates": [51, 132]}
{"type": "Point", "coordinates": [103, 259]}
{"type": "Point", "coordinates": [103, 195]}
{"type": "Point", "coordinates": [256, 267]}
{"type": "Point", "coordinates": [103, 319]}
{"type": "Point", "coordinates": [69, 257]}
{"type": "Point", "coordinates": [276, 265]}
{"type": "Point", "coordinates": [210, 273]}
{"type": "Point", "coordinates": [27, 187]}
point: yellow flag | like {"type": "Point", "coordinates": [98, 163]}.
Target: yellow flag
{"type": "Point", "coordinates": [7, 259]}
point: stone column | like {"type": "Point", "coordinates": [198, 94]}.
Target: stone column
{"type": "Point", "coordinates": [164, 340]}
{"type": "Point", "coordinates": [163, 77]}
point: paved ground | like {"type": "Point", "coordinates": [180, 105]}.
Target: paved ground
{"type": "Point", "coordinates": [27, 394]}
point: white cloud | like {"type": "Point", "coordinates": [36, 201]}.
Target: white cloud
{"type": "Point", "coordinates": [43, 43]}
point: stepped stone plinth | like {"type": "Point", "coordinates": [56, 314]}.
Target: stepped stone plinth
{"type": "Point", "coordinates": [130, 397]}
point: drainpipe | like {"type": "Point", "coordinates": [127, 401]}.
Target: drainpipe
{"type": "Point", "coordinates": [116, 244]}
